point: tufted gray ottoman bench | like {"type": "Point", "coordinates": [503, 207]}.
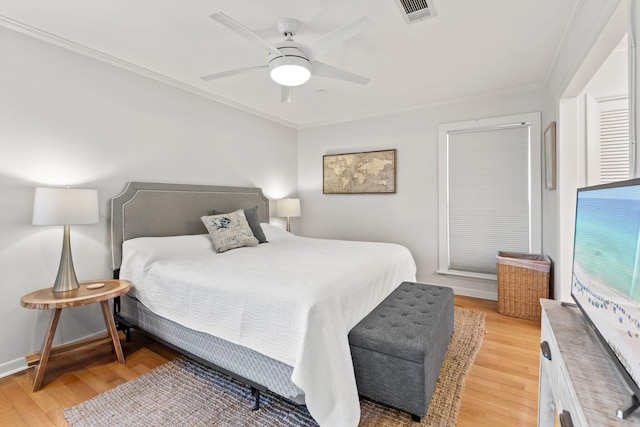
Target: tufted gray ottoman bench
{"type": "Point", "coordinates": [398, 349]}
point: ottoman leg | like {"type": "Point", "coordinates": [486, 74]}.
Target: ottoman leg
{"type": "Point", "coordinates": [416, 418]}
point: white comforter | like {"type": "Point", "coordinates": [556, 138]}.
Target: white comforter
{"type": "Point", "coordinates": [293, 299]}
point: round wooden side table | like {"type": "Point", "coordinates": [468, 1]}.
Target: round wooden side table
{"type": "Point", "coordinates": [88, 293]}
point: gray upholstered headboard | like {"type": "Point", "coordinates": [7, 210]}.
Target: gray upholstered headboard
{"type": "Point", "coordinates": [149, 209]}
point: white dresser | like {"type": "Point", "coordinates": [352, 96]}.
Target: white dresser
{"type": "Point", "coordinates": [577, 377]}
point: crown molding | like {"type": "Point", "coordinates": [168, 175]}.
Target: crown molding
{"type": "Point", "coordinates": [425, 106]}
{"type": "Point", "coordinates": [120, 63]}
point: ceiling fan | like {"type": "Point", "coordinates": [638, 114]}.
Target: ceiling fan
{"type": "Point", "coordinates": [290, 63]}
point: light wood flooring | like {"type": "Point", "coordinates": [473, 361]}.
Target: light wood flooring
{"type": "Point", "coordinates": [501, 389]}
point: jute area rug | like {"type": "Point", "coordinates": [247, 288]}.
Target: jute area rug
{"type": "Point", "coordinates": [186, 393]}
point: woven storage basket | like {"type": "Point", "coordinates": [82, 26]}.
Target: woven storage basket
{"type": "Point", "coordinates": [522, 280]}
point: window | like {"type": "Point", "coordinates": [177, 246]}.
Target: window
{"type": "Point", "coordinates": [489, 192]}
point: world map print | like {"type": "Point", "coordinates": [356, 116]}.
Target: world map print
{"type": "Point", "coordinates": [369, 172]}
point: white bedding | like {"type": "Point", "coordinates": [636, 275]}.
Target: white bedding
{"type": "Point", "coordinates": [293, 299]}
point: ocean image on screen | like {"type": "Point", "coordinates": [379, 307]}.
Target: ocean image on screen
{"type": "Point", "coordinates": [606, 268]}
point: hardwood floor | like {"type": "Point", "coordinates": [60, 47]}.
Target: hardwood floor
{"type": "Point", "coordinates": [501, 389]}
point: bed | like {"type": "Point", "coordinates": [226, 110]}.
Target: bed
{"type": "Point", "coordinates": [274, 315]}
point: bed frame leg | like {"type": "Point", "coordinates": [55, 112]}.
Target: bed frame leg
{"type": "Point", "coordinates": [116, 317]}
{"type": "Point", "coordinates": [255, 392]}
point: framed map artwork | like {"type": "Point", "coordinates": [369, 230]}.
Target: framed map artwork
{"type": "Point", "coordinates": [358, 173]}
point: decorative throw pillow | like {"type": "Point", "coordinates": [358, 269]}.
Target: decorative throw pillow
{"type": "Point", "coordinates": [251, 214]}
{"type": "Point", "coordinates": [229, 231]}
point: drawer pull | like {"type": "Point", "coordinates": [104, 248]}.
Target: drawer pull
{"type": "Point", "coordinates": [546, 350]}
{"type": "Point", "coordinates": [565, 419]}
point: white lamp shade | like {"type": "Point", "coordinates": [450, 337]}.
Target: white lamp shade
{"type": "Point", "coordinates": [290, 70]}
{"type": "Point", "coordinates": [288, 208]}
{"type": "Point", "coordinates": [62, 206]}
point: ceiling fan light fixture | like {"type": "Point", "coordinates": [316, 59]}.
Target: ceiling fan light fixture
{"type": "Point", "coordinates": [290, 70]}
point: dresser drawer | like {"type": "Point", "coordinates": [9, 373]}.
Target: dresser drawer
{"type": "Point", "coordinates": [565, 402]}
{"type": "Point", "coordinates": [550, 356]}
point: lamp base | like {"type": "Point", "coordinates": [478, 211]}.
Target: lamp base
{"type": "Point", "coordinates": [66, 279]}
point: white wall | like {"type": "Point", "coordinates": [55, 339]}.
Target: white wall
{"type": "Point", "coordinates": [70, 120]}
{"type": "Point", "coordinates": [409, 217]}
{"type": "Point", "coordinates": [596, 31]}
{"type": "Point", "coordinates": [609, 79]}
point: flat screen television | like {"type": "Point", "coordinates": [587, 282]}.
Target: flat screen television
{"type": "Point", "coordinates": [606, 272]}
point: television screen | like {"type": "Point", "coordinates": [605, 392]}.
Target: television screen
{"type": "Point", "coordinates": [606, 269]}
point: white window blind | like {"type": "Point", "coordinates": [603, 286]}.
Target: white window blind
{"type": "Point", "coordinates": [613, 150]}
{"type": "Point", "coordinates": [488, 174]}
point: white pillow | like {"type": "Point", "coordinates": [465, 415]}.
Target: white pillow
{"type": "Point", "coordinates": [229, 231]}
{"type": "Point", "coordinates": [272, 232]}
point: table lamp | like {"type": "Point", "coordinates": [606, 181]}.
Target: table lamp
{"type": "Point", "coordinates": [65, 206]}
{"type": "Point", "coordinates": [288, 208]}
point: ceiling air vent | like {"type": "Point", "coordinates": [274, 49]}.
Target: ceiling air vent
{"type": "Point", "coordinates": [416, 10]}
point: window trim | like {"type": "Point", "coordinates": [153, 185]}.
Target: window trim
{"type": "Point", "coordinates": [535, 184]}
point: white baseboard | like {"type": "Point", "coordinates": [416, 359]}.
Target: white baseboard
{"type": "Point", "coordinates": [493, 296]}
{"type": "Point", "coordinates": [20, 364]}
{"type": "Point", "coordinates": [12, 367]}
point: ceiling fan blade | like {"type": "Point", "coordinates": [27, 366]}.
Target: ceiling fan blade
{"type": "Point", "coordinates": [338, 36]}
{"type": "Point", "coordinates": [247, 33]}
{"type": "Point", "coordinates": [228, 73]}
{"type": "Point", "coordinates": [326, 70]}
{"type": "Point", "coordinates": [286, 93]}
